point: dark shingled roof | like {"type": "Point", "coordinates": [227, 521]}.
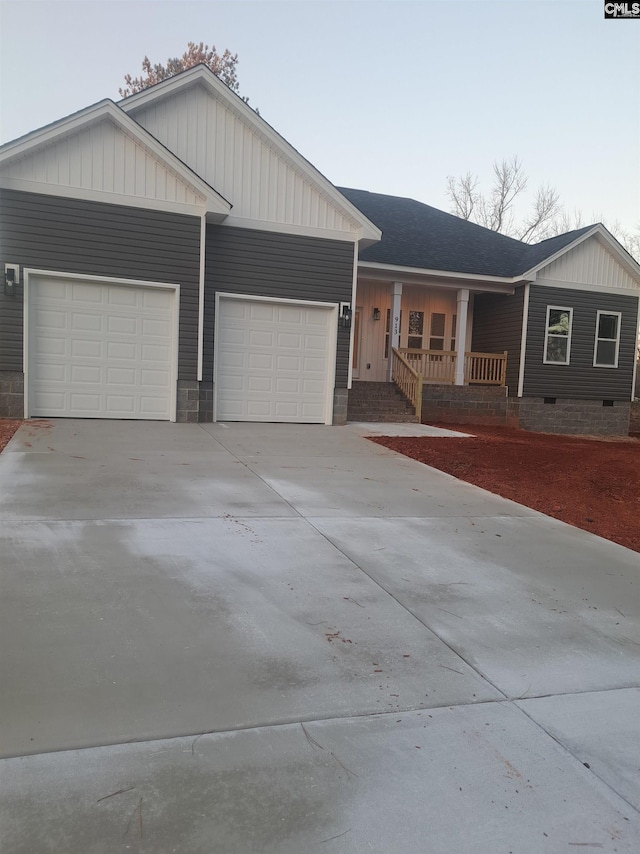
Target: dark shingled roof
{"type": "Point", "coordinates": [417, 235]}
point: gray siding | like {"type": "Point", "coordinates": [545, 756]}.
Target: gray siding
{"type": "Point", "coordinates": [247, 261]}
{"type": "Point", "coordinates": [73, 236]}
{"type": "Point", "coordinates": [497, 326]}
{"type": "Point", "coordinates": [579, 380]}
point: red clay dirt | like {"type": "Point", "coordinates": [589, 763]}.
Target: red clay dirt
{"type": "Point", "coordinates": [8, 427]}
{"type": "Point", "coordinates": [591, 483]}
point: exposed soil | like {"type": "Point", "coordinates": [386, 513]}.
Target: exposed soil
{"type": "Point", "coordinates": [8, 427]}
{"type": "Point", "coordinates": [591, 483]}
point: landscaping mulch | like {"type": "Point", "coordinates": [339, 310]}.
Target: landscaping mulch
{"type": "Point", "coordinates": [591, 483]}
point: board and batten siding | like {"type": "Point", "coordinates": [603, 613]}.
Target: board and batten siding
{"type": "Point", "coordinates": [73, 236]}
{"type": "Point", "coordinates": [266, 264]}
{"type": "Point", "coordinates": [105, 159]}
{"type": "Point", "coordinates": [579, 380]}
{"type": "Point", "coordinates": [242, 164]}
{"type": "Point", "coordinates": [497, 326]}
{"type": "Point", "coordinates": [589, 264]}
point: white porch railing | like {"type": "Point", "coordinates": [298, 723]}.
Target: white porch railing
{"type": "Point", "coordinates": [408, 380]}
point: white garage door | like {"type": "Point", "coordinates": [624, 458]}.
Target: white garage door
{"type": "Point", "coordinates": [100, 350]}
{"type": "Point", "coordinates": [275, 361]}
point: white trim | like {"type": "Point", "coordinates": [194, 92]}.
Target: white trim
{"type": "Point", "coordinates": [285, 228]}
{"type": "Point", "coordinates": [374, 269]}
{"type": "Point", "coordinates": [203, 240]}
{"type": "Point", "coordinates": [354, 289]}
{"type": "Point", "coordinates": [333, 343]}
{"type": "Point", "coordinates": [204, 75]}
{"type": "Point", "coordinates": [106, 109]}
{"type": "Point", "coordinates": [523, 338]}
{"type": "Point", "coordinates": [577, 286]}
{"type": "Point", "coordinates": [104, 280]}
{"type": "Point", "coordinates": [550, 308]}
{"type": "Point", "coordinates": [636, 359]}
{"type": "Point", "coordinates": [87, 195]}
{"type": "Point", "coordinates": [617, 314]}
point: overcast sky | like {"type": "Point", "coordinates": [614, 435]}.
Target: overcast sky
{"type": "Point", "coordinates": [387, 96]}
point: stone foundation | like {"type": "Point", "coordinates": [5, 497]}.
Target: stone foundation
{"type": "Point", "coordinates": [572, 417]}
{"type": "Point", "coordinates": [188, 404]}
{"type": "Point", "coordinates": [11, 394]}
{"type": "Point", "coordinates": [465, 404]}
{"type": "Point", "coordinates": [634, 420]}
{"type": "Point", "coordinates": [340, 400]}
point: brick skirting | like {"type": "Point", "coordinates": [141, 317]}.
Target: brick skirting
{"type": "Point", "coordinates": [489, 405]}
{"type": "Point", "coordinates": [11, 394]}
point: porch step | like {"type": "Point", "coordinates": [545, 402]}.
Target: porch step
{"type": "Point", "coordinates": [378, 402]}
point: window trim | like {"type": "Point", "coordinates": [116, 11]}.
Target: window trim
{"type": "Point", "coordinates": [551, 308]}
{"type": "Point", "coordinates": [599, 313]}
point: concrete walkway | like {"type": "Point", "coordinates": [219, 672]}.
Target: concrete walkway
{"type": "Point", "coordinates": [285, 638]}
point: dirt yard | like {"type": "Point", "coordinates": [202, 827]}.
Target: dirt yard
{"type": "Point", "coordinates": [593, 484]}
{"type": "Point", "coordinates": [8, 427]}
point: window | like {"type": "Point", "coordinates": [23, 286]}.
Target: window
{"type": "Point", "coordinates": [436, 339]}
{"type": "Point", "coordinates": [607, 339]}
{"type": "Point", "coordinates": [416, 327]}
{"type": "Point", "coordinates": [453, 332]}
{"type": "Point", "coordinates": [557, 340]}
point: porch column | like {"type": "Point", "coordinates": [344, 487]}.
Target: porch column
{"type": "Point", "coordinates": [461, 333]}
{"type": "Point", "coordinates": [394, 331]}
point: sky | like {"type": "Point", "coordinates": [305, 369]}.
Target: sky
{"type": "Point", "coordinates": [389, 96]}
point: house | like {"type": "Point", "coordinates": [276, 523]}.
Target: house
{"type": "Point", "coordinates": [555, 324]}
{"type": "Point", "coordinates": [172, 257]}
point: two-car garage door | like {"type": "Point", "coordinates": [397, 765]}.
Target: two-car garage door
{"type": "Point", "coordinates": [275, 361]}
{"type": "Point", "coordinates": [100, 349]}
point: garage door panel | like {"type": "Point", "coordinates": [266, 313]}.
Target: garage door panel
{"type": "Point", "coordinates": [262, 361]}
{"type": "Point", "coordinates": [121, 376]}
{"type": "Point", "coordinates": [100, 350]}
{"type": "Point", "coordinates": [84, 293]}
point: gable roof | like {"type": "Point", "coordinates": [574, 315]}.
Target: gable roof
{"type": "Point", "coordinates": [35, 144]}
{"type": "Point", "coordinates": [418, 235]}
{"type": "Point", "coordinates": [272, 144]}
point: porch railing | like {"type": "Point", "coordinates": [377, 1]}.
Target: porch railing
{"type": "Point", "coordinates": [408, 380]}
{"type": "Point", "coordinates": [439, 366]}
{"type": "Point", "coordinates": [485, 368]}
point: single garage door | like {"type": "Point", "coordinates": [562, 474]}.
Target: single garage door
{"type": "Point", "coordinates": [275, 361]}
{"type": "Point", "coordinates": [99, 349]}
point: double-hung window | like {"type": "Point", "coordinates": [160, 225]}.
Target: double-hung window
{"type": "Point", "coordinates": [557, 339]}
{"type": "Point", "coordinates": [605, 354]}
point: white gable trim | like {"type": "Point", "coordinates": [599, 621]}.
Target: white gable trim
{"type": "Point", "coordinates": [106, 110]}
{"type": "Point", "coordinates": [284, 228]}
{"type": "Point", "coordinates": [201, 75]}
{"type": "Point", "coordinates": [600, 233]}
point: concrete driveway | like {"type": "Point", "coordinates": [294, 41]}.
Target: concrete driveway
{"type": "Point", "coordinates": [279, 638]}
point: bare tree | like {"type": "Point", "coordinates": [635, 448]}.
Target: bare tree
{"type": "Point", "coordinates": [496, 210]}
{"type": "Point", "coordinates": [223, 66]}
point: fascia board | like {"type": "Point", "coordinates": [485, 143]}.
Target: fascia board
{"type": "Point", "coordinates": [201, 74]}
{"type": "Point", "coordinates": [390, 270]}
{"type": "Point", "coordinates": [107, 109]}
{"type": "Point", "coordinates": [600, 233]}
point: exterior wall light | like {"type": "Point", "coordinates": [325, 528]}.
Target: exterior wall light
{"type": "Point", "coordinates": [345, 315]}
{"type": "Point", "coordinates": [11, 279]}
{"type": "Point", "coordinates": [376, 314]}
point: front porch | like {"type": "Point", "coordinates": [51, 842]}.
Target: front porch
{"type": "Point", "coordinates": [412, 369]}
